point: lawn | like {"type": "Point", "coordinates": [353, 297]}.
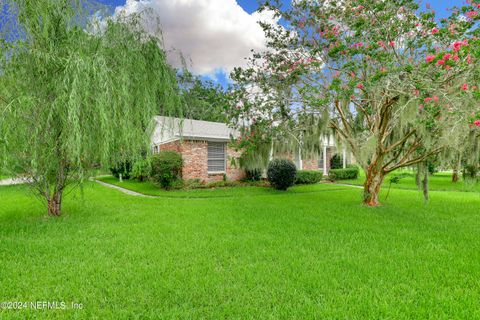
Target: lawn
{"type": "Point", "coordinates": [309, 253]}
{"type": "Point", "coordinates": [441, 181]}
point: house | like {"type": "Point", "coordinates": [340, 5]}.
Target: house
{"type": "Point", "coordinates": [323, 160]}
{"type": "Point", "coordinates": [207, 156]}
{"type": "Point", "coordinates": [202, 144]}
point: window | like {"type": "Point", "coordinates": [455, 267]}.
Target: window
{"type": "Point", "coordinates": [216, 157]}
{"type": "Point", "coordinates": [320, 161]}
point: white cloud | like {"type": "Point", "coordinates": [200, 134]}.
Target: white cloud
{"type": "Point", "coordinates": [215, 35]}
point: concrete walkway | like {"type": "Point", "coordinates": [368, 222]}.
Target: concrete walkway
{"type": "Point", "coordinates": [126, 191]}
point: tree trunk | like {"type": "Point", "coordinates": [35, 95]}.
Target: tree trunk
{"type": "Point", "coordinates": [54, 197]}
{"type": "Point", "coordinates": [418, 179]}
{"type": "Point", "coordinates": [55, 204]}
{"type": "Point", "coordinates": [371, 188]}
{"type": "Point", "coordinates": [456, 176]}
{"type": "Point", "coordinates": [426, 194]}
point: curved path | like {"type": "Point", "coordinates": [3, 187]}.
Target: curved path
{"type": "Point", "coordinates": [126, 191]}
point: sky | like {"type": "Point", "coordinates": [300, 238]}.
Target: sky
{"type": "Point", "coordinates": [214, 36]}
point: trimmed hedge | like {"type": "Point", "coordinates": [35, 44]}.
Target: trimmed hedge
{"type": "Point", "coordinates": [281, 173]}
{"type": "Point", "coordinates": [308, 177]}
{"type": "Point", "coordinates": [344, 174]}
{"type": "Point", "coordinates": [166, 168]}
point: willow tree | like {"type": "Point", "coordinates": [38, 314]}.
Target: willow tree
{"type": "Point", "coordinates": [385, 71]}
{"type": "Point", "coordinates": [78, 92]}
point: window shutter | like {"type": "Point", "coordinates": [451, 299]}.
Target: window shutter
{"type": "Point", "coordinates": [216, 157]}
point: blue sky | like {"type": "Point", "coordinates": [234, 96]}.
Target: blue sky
{"type": "Point", "coordinates": [216, 35]}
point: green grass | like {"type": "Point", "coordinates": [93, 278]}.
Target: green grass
{"type": "Point", "coordinates": [441, 181]}
{"type": "Point", "coordinates": [309, 253]}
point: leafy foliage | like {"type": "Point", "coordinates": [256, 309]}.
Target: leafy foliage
{"type": "Point", "coordinates": [281, 173]}
{"type": "Point", "coordinates": [76, 92]}
{"type": "Point", "coordinates": [253, 175]}
{"type": "Point", "coordinates": [141, 169]}
{"type": "Point", "coordinates": [124, 168]}
{"type": "Point", "coordinates": [166, 168]}
{"type": "Point", "coordinates": [344, 174]}
{"type": "Point", "coordinates": [395, 82]}
{"type": "Point", "coordinates": [336, 162]}
{"type": "Point", "coordinates": [308, 177]}
{"type": "Point", "coordinates": [202, 99]}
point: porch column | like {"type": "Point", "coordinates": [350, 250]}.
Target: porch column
{"type": "Point", "coordinates": [325, 161]}
{"type": "Point", "coordinates": [298, 159]}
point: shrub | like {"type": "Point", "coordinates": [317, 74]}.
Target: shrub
{"type": "Point", "coordinates": [193, 184]}
{"type": "Point", "coordinates": [123, 168]}
{"type": "Point", "coordinates": [308, 177]}
{"type": "Point", "coordinates": [470, 172]}
{"type": "Point", "coordinates": [336, 162]}
{"type": "Point", "coordinates": [344, 174]}
{"type": "Point", "coordinates": [253, 175]}
{"type": "Point", "coordinates": [281, 173]}
{"type": "Point", "coordinates": [166, 168]}
{"type": "Point", "coordinates": [222, 184]}
{"type": "Point", "coordinates": [141, 170]}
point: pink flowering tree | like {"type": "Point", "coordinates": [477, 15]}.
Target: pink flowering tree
{"type": "Point", "coordinates": [396, 83]}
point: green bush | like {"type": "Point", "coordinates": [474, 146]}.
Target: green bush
{"type": "Point", "coordinates": [141, 170]}
{"type": "Point", "coordinates": [123, 168]}
{"type": "Point", "coordinates": [308, 177]}
{"type": "Point", "coordinates": [166, 168]}
{"type": "Point", "coordinates": [344, 174]}
{"type": "Point", "coordinates": [223, 184]}
{"type": "Point", "coordinates": [281, 173]}
{"type": "Point", "coordinates": [253, 175]}
{"type": "Point", "coordinates": [193, 184]}
{"type": "Point", "coordinates": [336, 162]}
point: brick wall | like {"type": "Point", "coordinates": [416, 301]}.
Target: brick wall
{"type": "Point", "coordinates": [195, 161]}
{"type": "Point", "coordinates": [310, 164]}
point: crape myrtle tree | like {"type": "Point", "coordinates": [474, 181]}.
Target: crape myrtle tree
{"type": "Point", "coordinates": [271, 117]}
{"type": "Point", "coordinates": [397, 83]}
{"type": "Point", "coordinates": [77, 92]}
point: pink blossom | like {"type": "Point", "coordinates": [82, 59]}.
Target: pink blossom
{"type": "Point", "coordinates": [457, 45]}
{"type": "Point", "coordinates": [477, 123]}
{"type": "Point", "coordinates": [448, 67]}
{"type": "Point", "coordinates": [391, 44]}
{"type": "Point", "coordinates": [465, 87]}
{"type": "Point", "coordinates": [455, 57]}
{"type": "Point", "coordinates": [360, 86]}
{"type": "Point", "coordinates": [435, 98]}
{"type": "Point", "coordinates": [440, 62]}
{"type": "Point", "coordinates": [421, 107]}
{"type": "Point", "coordinates": [435, 30]}
{"type": "Point", "coordinates": [471, 14]}
{"type": "Point", "coordinates": [469, 59]}
{"type": "Point", "coordinates": [427, 100]}
{"type": "Point", "coordinates": [430, 58]}
{"type": "Point", "coordinates": [447, 56]}
{"type": "Point", "coordinates": [416, 92]}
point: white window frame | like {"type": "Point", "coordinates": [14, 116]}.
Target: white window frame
{"type": "Point", "coordinates": [209, 143]}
